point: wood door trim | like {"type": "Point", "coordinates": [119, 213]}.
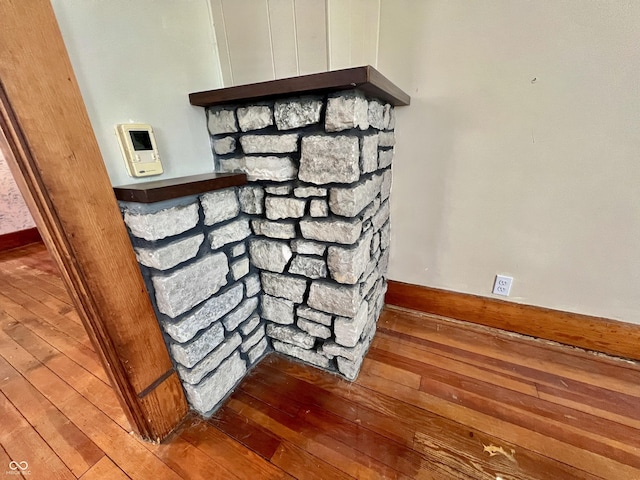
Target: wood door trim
{"type": "Point", "coordinates": [592, 333]}
{"type": "Point", "coordinates": [46, 137]}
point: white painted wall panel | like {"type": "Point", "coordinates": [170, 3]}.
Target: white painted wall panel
{"type": "Point", "coordinates": [339, 34]}
{"type": "Point", "coordinates": [247, 27]}
{"type": "Point", "coordinates": [283, 38]}
{"type": "Point", "coordinates": [220, 28]}
{"type": "Point", "coordinates": [311, 32]}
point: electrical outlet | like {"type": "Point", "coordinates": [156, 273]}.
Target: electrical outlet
{"type": "Point", "coordinates": [502, 285]}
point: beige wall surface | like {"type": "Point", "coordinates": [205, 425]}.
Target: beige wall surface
{"type": "Point", "coordinates": [136, 62]}
{"type": "Point", "coordinates": [14, 214]}
{"type": "Point", "coordinates": [520, 152]}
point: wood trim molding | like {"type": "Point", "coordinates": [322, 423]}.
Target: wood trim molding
{"type": "Point", "coordinates": [46, 136]}
{"type": "Point", "coordinates": [367, 79]}
{"type": "Point", "coordinates": [592, 333]}
{"type": "Point", "coordinates": [159, 190]}
{"type": "Point", "coordinates": [19, 238]}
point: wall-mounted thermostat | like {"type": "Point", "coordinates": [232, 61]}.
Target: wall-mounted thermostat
{"type": "Point", "coordinates": [139, 149]}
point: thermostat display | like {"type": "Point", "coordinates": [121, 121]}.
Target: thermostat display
{"type": "Point", "coordinates": [139, 149]}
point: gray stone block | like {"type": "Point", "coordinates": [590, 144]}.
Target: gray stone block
{"type": "Point", "coordinates": [253, 339]}
{"type": "Point", "coordinates": [279, 190]}
{"type": "Point", "coordinates": [375, 243]}
{"type": "Point", "coordinates": [284, 286]}
{"type": "Point", "coordinates": [308, 356]}
{"type": "Point", "coordinates": [349, 202]}
{"type": "Point", "coordinates": [315, 315]}
{"type": "Point", "coordinates": [240, 268]}
{"type": "Point", "coordinates": [254, 117]}
{"type": "Point", "coordinates": [222, 121]}
{"type": "Point", "coordinates": [348, 368]}
{"type": "Point", "coordinates": [276, 169]}
{"type": "Point", "coordinates": [277, 309]}
{"type": "Point", "coordinates": [346, 110]}
{"type": "Point", "coordinates": [305, 192]}
{"type": "Point", "coordinates": [385, 236]}
{"type": "Point", "coordinates": [307, 247]}
{"type": "Point", "coordinates": [346, 265]}
{"type": "Point", "coordinates": [388, 117]}
{"type": "Point", "coordinates": [210, 391]}
{"type": "Point", "coordinates": [271, 255]}
{"type": "Point", "coordinates": [249, 326]}
{"type": "Point", "coordinates": [183, 289]}
{"type": "Point", "coordinates": [334, 298]}
{"type": "Point", "coordinates": [210, 362]}
{"type": "Point", "coordinates": [170, 255]}
{"type": "Point", "coordinates": [256, 352]}
{"type": "Point", "coordinates": [290, 334]}
{"type": "Point", "coordinates": [386, 139]}
{"type": "Point", "coordinates": [392, 118]}
{"type": "Point", "coordinates": [229, 233]}
{"type": "Point", "coordinates": [240, 314]}
{"type": "Point", "coordinates": [376, 115]}
{"type": "Point", "coordinates": [282, 230]}
{"type": "Point", "coordinates": [385, 157]}
{"type": "Point", "coordinates": [381, 216]}
{"type": "Point", "coordinates": [369, 153]}
{"type": "Point", "coordinates": [385, 189]}
{"type": "Point", "coordinates": [330, 159]}
{"type": "Point", "coordinates": [319, 208]}
{"type": "Point", "coordinates": [227, 165]}
{"type": "Point", "coordinates": [239, 249]}
{"type": "Point", "coordinates": [296, 113]}
{"type": "Point", "coordinates": [348, 329]}
{"type": "Point", "coordinates": [333, 230]}
{"type": "Point", "coordinates": [269, 143]}
{"type": "Point", "coordinates": [371, 209]}
{"type": "Point", "coordinates": [252, 285]}
{"type": "Point", "coordinates": [314, 329]}
{"type": "Point", "coordinates": [310, 267]}
{"type": "Point", "coordinates": [219, 206]}
{"type": "Point", "coordinates": [213, 309]}
{"type": "Point", "coordinates": [251, 199]}
{"type": "Point", "coordinates": [353, 353]}
{"type": "Point", "coordinates": [191, 353]}
{"type": "Point", "coordinates": [225, 145]}
{"type": "Point", "coordinates": [278, 208]}
{"type": "Point", "coordinates": [162, 224]}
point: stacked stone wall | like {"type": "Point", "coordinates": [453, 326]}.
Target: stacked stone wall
{"type": "Point", "coordinates": [319, 171]}
{"type": "Point", "coordinates": [194, 258]}
{"type": "Point", "coordinates": [294, 261]}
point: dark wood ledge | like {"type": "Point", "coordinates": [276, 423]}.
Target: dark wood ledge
{"type": "Point", "coordinates": [367, 79]}
{"type": "Point", "coordinates": [159, 190]}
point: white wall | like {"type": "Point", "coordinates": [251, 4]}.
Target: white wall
{"type": "Point", "coordinates": [263, 40]}
{"type": "Point", "coordinates": [520, 152]}
{"type": "Point", "coordinates": [137, 61]}
{"type": "Point", "coordinates": [14, 214]}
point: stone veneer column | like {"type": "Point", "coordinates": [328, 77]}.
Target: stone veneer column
{"type": "Point", "coordinates": [295, 261]}
{"type": "Point", "coordinates": [193, 256]}
{"type": "Point", "coordinates": [322, 166]}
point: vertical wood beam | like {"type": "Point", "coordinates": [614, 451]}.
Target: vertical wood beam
{"type": "Point", "coordinates": [51, 149]}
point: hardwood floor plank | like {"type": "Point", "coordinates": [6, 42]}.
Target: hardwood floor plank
{"type": "Point", "coordinates": [23, 444]}
{"type": "Point", "coordinates": [301, 464]}
{"type": "Point", "coordinates": [229, 454]}
{"type": "Point", "coordinates": [247, 432]}
{"type": "Point", "coordinates": [447, 434]}
{"type": "Point", "coordinates": [84, 382]}
{"type": "Point", "coordinates": [403, 377]}
{"type": "Point", "coordinates": [319, 444]}
{"type": "Point", "coordinates": [614, 374]}
{"type": "Point", "coordinates": [81, 354]}
{"type": "Point", "coordinates": [76, 451]}
{"type": "Point", "coordinates": [104, 469]}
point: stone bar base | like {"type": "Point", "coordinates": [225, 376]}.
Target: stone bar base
{"type": "Point", "coordinates": [294, 261]}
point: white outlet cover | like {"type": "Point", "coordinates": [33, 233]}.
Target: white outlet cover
{"type": "Point", "coordinates": [502, 285]}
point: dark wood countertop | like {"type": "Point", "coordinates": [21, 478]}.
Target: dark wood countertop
{"type": "Point", "coordinates": [150, 192]}
{"type": "Point", "coordinates": [367, 79]}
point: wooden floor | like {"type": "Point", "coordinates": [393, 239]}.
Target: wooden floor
{"type": "Point", "coordinates": [436, 399]}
